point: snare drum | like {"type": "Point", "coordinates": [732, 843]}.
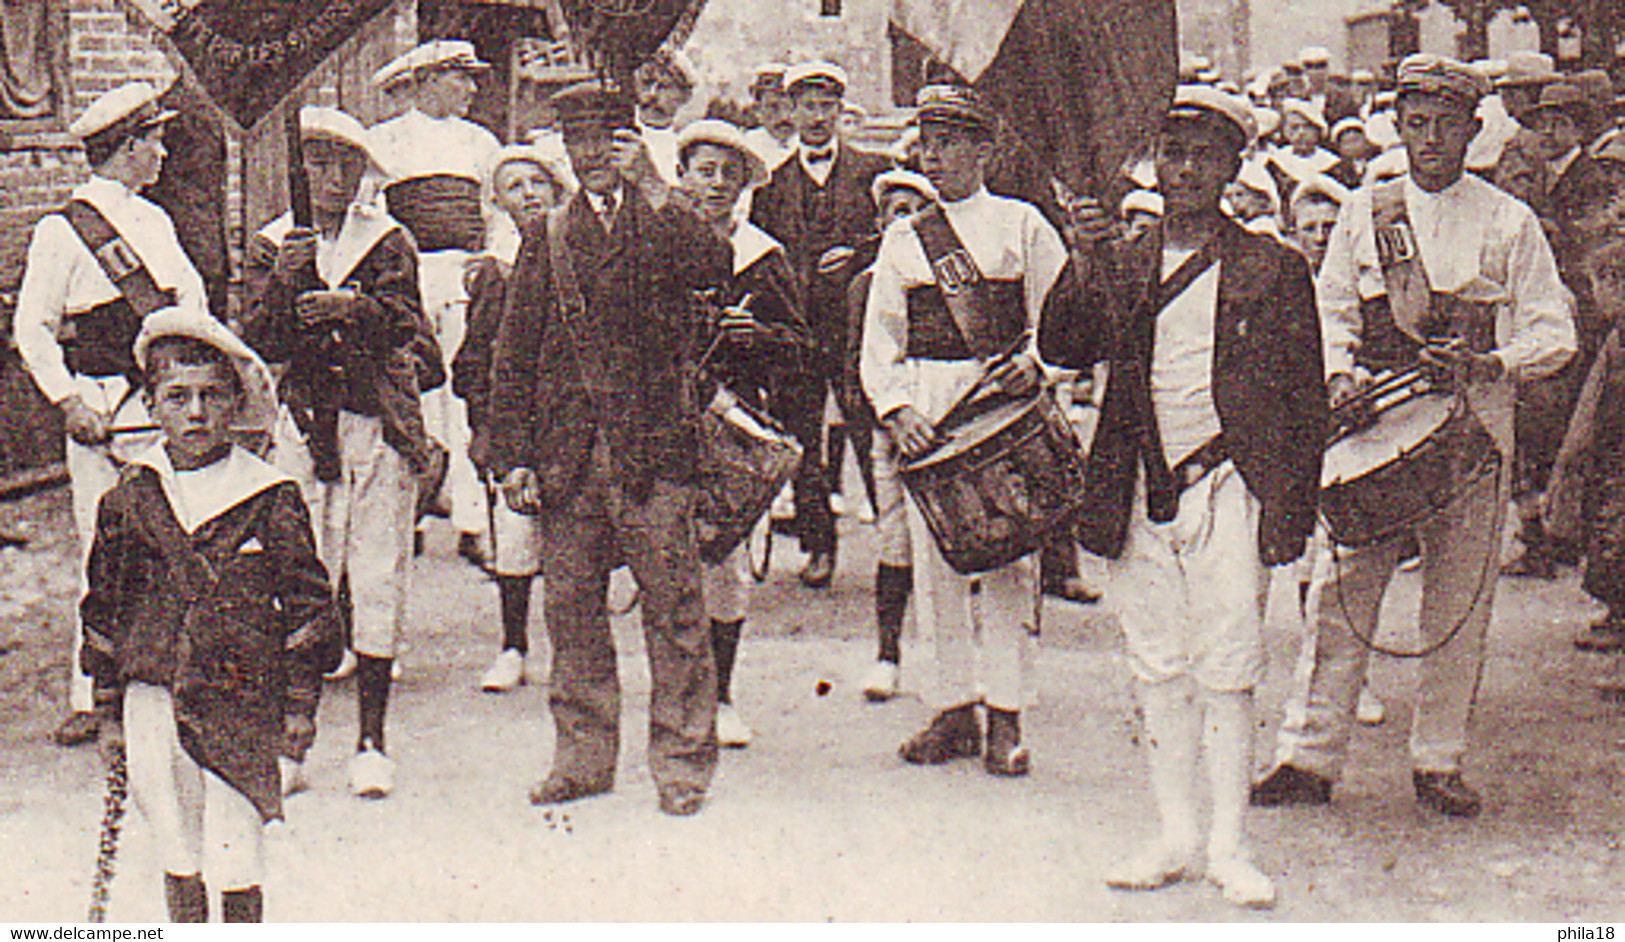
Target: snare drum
{"type": "Point", "coordinates": [745, 460]}
{"type": "Point", "coordinates": [999, 483]}
{"type": "Point", "coordinates": [1425, 449]}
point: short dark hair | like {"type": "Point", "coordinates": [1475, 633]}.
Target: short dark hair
{"type": "Point", "coordinates": [173, 350]}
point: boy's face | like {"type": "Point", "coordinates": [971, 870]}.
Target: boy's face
{"type": "Point", "coordinates": [900, 202]}
{"type": "Point", "coordinates": [524, 191]}
{"type": "Point", "coordinates": [195, 406]}
{"type": "Point", "coordinates": [713, 177]}
{"type": "Point", "coordinates": [334, 171]}
{"type": "Point", "coordinates": [953, 159]}
{"type": "Point", "coordinates": [1299, 131]}
{"type": "Point", "coordinates": [1315, 221]}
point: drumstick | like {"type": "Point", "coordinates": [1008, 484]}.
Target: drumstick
{"type": "Point", "coordinates": [978, 387]}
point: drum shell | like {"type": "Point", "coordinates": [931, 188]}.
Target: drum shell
{"type": "Point", "coordinates": [740, 472]}
{"type": "Point", "coordinates": [995, 501]}
{"type": "Point", "coordinates": [1413, 487]}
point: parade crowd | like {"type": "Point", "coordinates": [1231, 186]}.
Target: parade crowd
{"type": "Point", "coordinates": [537, 341]}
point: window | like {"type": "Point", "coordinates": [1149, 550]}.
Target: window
{"type": "Point", "coordinates": [829, 8]}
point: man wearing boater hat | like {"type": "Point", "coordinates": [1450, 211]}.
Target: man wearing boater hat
{"type": "Point", "coordinates": [917, 362]}
{"type": "Point", "coordinates": [435, 159]}
{"type": "Point", "coordinates": [338, 303]}
{"type": "Point", "coordinates": [96, 268]}
{"type": "Point", "coordinates": [1464, 283]}
{"type": "Point", "coordinates": [594, 432]}
{"type": "Point", "coordinates": [1204, 470]}
{"type": "Point", "coordinates": [818, 205]}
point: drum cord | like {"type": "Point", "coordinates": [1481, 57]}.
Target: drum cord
{"type": "Point", "coordinates": [1491, 564]}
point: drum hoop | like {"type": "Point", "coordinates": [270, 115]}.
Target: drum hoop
{"type": "Point", "coordinates": [936, 458]}
{"type": "Point", "coordinates": [1458, 407]}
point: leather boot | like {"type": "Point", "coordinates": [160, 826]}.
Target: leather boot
{"type": "Point", "coordinates": [187, 897]}
{"type": "Point", "coordinates": [953, 734]}
{"type": "Point", "coordinates": [1005, 754]}
{"type": "Point", "coordinates": [244, 905]}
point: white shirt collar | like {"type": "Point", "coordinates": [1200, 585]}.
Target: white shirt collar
{"type": "Point", "coordinates": [820, 171]}
{"type": "Point", "coordinates": [198, 496]}
{"type": "Point", "coordinates": [1562, 164]}
{"type": "Point", "coordinates": [596, 200]}
{"type": "Point", "coordinates": [104, 189]}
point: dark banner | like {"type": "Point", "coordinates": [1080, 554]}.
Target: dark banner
{"type": "Point", "coordinates": [619, 35]}
{"type": "Point", "coordinates": [249, 54]}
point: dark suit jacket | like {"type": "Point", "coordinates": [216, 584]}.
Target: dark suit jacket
{"type": "Point", "coordinates": [1268, 378]}
{"type": "Point", "coordinates": [810, 220]}
{"type": "Point", "coordinates": [623, 367]}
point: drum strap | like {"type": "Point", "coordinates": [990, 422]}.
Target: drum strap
{"type": "Point", "coordinates": [123, 267]}
{"type": "Point", "coordinates": [970, 298]}
{"type": "Point", "coordinates": [1410, 295]}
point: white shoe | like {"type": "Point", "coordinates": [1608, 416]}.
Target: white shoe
{"type": "Point", "coordinates": [866, 512]}
{"type": "Point", "coordinates": [1153, 868]}
{"type": "Point", "coordinates": [505, 673]}
{"type": "Point", "coordinates": [731, 730]}
{"type": "Point", "coordinates": [372, 774]}
{"type": "Point", "coordinates": [1242, 883]}
{"type": "Point", "coordinates": [837, 504]}
{"type": "Point", "coordinates": [346, 666]}
{"type": "Point", "coordinates": [397, 670]}
{"type": "Point", "coordinates": [1369, 710]}
{"type": "Point", "coordinates": [882, 682]}
{"type": "Point", "coordinates": [293, 776]}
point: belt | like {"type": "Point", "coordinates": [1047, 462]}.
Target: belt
{"type": "Point", "coordinates": [1163, 507]}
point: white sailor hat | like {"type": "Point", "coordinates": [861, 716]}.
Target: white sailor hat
{"type": "Point", "coordinates": [527, 153]}
{"type": "Point", "coordinates": [1314, 56]}
{"type": "Point", "coordinates": [259, 409]}
{"type": "Point", "coordinates": [1255, 177]}
{"type": "Point", "coordinates": [901, 180]}
{"type": "Point", "coordinates": [1362, 76]}
{"type": "Point", "coordinates": [723, 134]}
{"type": "Point", "coordinates": [816, 72]}
{"type": "Point", "coordinates": [435, 54]}
{"type": "Point", "coordinates": [397, 71]}
{"type": "Point", "coordinates": [121, 113]}
{"type": "Point", "coordinates": [768, 76]}
{"type": "Point", "coordinates": [1320, 185]}
{"type": "Point", "coordinates": [1440, 76]}
{"type": "Point", "coordinates": [1142, 201]}
{"type": "Point", "coordinates": [1351, 123]}
{"type": "Point", "coordinates": [1205, 101]}
{"type": "Point", "coordinates": [1528, 68]}
{"type": "Point", "coordinates": [321, 123]}
{"type": "Point", "coordinates": [1305, 109]}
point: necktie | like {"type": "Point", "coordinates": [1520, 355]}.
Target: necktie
{"type": "Point", "coordinates": [820, 156]}
{"type": "Point", "coordinates": [606, 215]}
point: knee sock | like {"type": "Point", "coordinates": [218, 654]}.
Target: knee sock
{"type": "Point", "coordinates": [892, 587]}
{"type": "Point", "coordinates": [187, 897]}
{"type": "Point", "coordinates": [244, 905]}
{"type": "Point", "coordinates": [1227, 740]}
{"type": "Point", "coordinates": [372, 688]}
{"type": "Point", "coordinates": [514, 592]}
{"type": "Point", "coordinates": [725, 649]}
{"type": "Point", "coordinates": [1173, 731]}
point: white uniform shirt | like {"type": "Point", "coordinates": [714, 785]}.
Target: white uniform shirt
{"type": "Point", "coordinates": [772, 150]}
{"type": "Point", "coordinates": [63, 278]}
{"type": "Point", "coordinates": [416, 145]}
{"type": "Point", "coordinates": [1182, 363]}
{"type": "Point", "coordinates": [1009, 240]}
{"type": "Point", "coordinates": [1302, 168]}
{"type": "Point", "coordinates": [1476, 242]}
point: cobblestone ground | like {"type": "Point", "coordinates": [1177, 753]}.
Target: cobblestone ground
{"type": "Point", "coordinates": [819, 819]}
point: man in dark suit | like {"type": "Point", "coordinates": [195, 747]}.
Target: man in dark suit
{"type": "Point", "coordinates": [818, 205]}
{"type": "Point", "coordinates": [593, 429]}
{"type": "Point", "coordinates": [1204, 472]}
{"type": "Point", "coordinates": [1562, 121]}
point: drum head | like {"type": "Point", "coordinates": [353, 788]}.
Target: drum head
{"type": "Point", "coordinates": [963, 438]}
{"type": "Point", "coordinates": [1399, 430]}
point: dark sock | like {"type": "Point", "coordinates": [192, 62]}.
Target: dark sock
{"type": "Point", "coordinates": [514, 592]}
{"type": "Point", "coordinates": [725, 649]}
{"type": "Point", "coordinates": [187, 897]}
{"type": "Point", "coordinates": [244, 905]}
{"type": "Point", "coordinates": [892, 587]}
{"type": "Point", "coordinates": [372, 685]}
{"type": "Point", "coordinates": [1005, 722]}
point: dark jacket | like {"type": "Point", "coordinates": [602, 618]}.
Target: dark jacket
{"type": "Point", "coordinates": [623, 367]}
{"type": "Point", "coordinates": [1585, 499]}
{"type": "Point", "coordinates": [811, 220]}
{"type": "Point", "coordinates": [757, 367]}
{"type": "Point", "coordinates": [393, 357]}
{"type": "Point", "coordinates": [1268, 380]}
{"type": "Point", "coordinates": [471, 367]}
{"type": "Point", "coordinates": [235, 619]}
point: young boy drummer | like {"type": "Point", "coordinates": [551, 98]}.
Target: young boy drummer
{"type": "Point", "coordinates": [209, 618]}
{"type": "Point", "coordinates": [761, 340]}
{"type": "Point", "coordinates": [916, 364]}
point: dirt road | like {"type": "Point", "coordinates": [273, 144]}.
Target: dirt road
{"type": "Point", "coordinates": [819, 819]}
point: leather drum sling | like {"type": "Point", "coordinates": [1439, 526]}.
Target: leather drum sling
{"type": "Point", "coordinates": [100, 342]}
{"type": "Point", "coordinates": [965, 289]}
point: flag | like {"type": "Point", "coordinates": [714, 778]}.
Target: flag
{"type": "Point", "coordinates": [249, 54]}
{"type": "Point", "coordinates": [1082, 82]}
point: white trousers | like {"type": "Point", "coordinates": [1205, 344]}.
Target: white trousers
{"type": "Point", "coordinates": [1460, 557]}
{"type": "Point", "coordinates": [92, 472]}
{"type": "Point", "coordinates": [193, 813]}
{"type": "Point", "coordinates": [891, 503]}
{"type": "Point", "coordinates": [516, 538]}
{"type": "Point", "coordinates": [445, 302]}
{"type": "Point", "coordinates": [727, 585]}
{"type": "Point", "coordinates": [1190, 593]}
{"type": "Point", "coordinates": [980, 631]}
{"type": "Point", "coordinates": [363, 523]}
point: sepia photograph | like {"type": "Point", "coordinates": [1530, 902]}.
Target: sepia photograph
{"type": "Point", "coordinates": [1142, 462]}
